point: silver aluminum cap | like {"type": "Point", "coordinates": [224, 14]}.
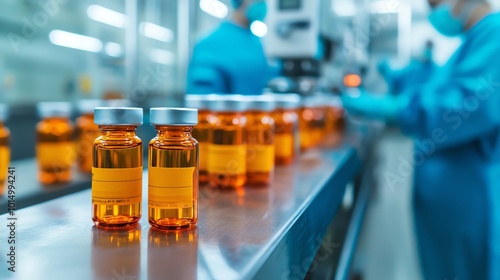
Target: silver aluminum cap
{"type": "Point", "coordinates": [173, 116]}
{"type": "Point", "coordinates": [199, 101]}
{"type": "Point", "coordinates": [53, 109]}
{"type": "Point", "coordinates": [287, 101]}
{"type": "Point", "coordinates": [118, 116]}
{"type": "Point", "coordinates": [87, 106]}
{"type": "Point", "coordinates": [4, 112]}
{"type": "Point", "coordinates": [263, 103]}
{"type": "Point", "coordinates": [313, 101]}
{"type": "Point", "coordinates": [228, 103]}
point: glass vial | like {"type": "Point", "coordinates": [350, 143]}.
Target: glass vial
{"type": "Point", "coordinates": [335, 121]}
{"type": "Point", "coordinates": [117, 168]}
{"type": "Point", "coordinates": [227, 142]}
{"type": "Point", "coordinates": [201, 130]}
{"type": "Point", "coordinates": [173, 169]}
{"type": "Point", "coordinates": [311, 122]}
{"type": "Point", "coordinates": [286, 121]}
{"type": "Point", "coordinates": [87, 132]}
{"type": "Point", "coordinates": [4, 148]}
{"type": "Point", "coordinates": [55, 150]}
{"type": "Point", "coordinates": [260, 140]}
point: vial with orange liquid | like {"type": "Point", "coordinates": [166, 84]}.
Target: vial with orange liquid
{"type": "Point", "coordinates": [55, 150]}
{"type": "Point", "coordinates": [260, 140]}
{"type": "Point", "coordinates": [312, 122]}
{"type": "Point", "coordinates": [201, 130]}
{"type": "Point", "coordinates": [87, 132]}
{"type": "Point", "coordinates": [227, 142]}
{"type": "Point", "coordinates": [286, 121]}
{"type": "Point", "coordinates": [173, 169]}
{"type": "Point", "coordinates": [4, 148]}
{"type": "Point", "coordinates": [117, 168]}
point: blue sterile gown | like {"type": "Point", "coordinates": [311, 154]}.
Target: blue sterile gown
{"type": "Point", "coordinates": [455, 118]}
{"type": "Point", "coordinates": [415, 73]}
{"type": "Point", "coordinates": [229, 60]}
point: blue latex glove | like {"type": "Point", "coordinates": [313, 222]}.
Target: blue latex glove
{"type": "Point", "coordinates": [370, 106]}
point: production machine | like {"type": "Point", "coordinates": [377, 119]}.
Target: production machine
{"type": "Point", "coordinates": [319, 43]}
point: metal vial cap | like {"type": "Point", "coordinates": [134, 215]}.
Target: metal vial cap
{"type": "Point", "coordinates": [118, 116]}
{"type": "Point", "coordinates": [173, 116]}
{"type": "Point", "coordinates": [4, 112]}
{"type": "Point", "coordinates": [87, 106]}
{"type": "Point", "coordinates": [263, 103]}
{"type": "Point", "coordinates": [228, 103]}
{"type": "Point", "coordinates": [313, 101]}
{"type": "Point", "coordinates": [199, 101]}
{"type": "Point", "coordinates": [287, 101]}
{"type": "Point", "coordinates": [53, 109]}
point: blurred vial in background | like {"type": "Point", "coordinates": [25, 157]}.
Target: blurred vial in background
{"type": "Point", "coordinates": [334, 120]}
{"type": "Point", "coordinates": [260, 140]}
{"type": "Point", "coordinates": [286, 133]}
{"type": "Point", "coordinates": [87, 132]}
{"type": "Point", "coordinates": [55, 150]}
{"type": "Point", "coordinates": [312, 122]}
{"type": "Point", "coordinates": [201, 130]}
{"type": "Point", "coordinates": [227, 142]}
{"type": "Point", "coordinates": [4, 147]}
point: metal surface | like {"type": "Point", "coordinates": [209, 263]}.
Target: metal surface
{"type": "Point", "coordinates": [261, 233]}
{"type": "Point", "coordinates": [351, 240]}
{"type": "Point", "coordinates": [29, 191]}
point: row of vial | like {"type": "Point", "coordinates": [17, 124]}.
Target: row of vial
{"type": "Point", "coordinates": [242, 138]}
{"type": "Point", "coordinates": [238, 143]}
{"type": "Point", "coordinates": [57, 152]}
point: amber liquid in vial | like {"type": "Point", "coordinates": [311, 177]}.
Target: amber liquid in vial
{"type": "Point", "coordinates": [312, 127]}
{"type": "Point", "coordinates": [285, 136]}
{"type": "Point", "coordinates": [87, 132]}
{"type": "Point", "coordinates": [4, 156]}
{"type": "Point", "coordinates": [260, 148]}
{"type": "Point", "coordinates": [227, 150]}
{"type": "Point", "coordinates": [117, 148]}
{"type": "Point", "coordinates": [55, 150]}
{"type": "Point", "coordinates": [173, 178]}
{"type": "Point", "coordinates": [200, 133]}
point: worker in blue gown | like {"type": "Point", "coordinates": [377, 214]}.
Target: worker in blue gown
{"type": "Point", "coordinates": [455, 120]}
{"type": "Point", "coordinates": [231, 59]}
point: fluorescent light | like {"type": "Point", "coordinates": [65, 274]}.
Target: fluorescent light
{"type": "Point", "coordinates": [107, 16]}
{"type": "Point", "coordinates": [258, 28]}
{"type": "Point", "coordinates": [113, 49]}
{"type": "Point", "coordinates": [162, 56]}
{"type": "Point", "coordinates": [156, 32]}
{"type": "Point", "coordinates": [344, 8]}
{"type": "Point", "coordinates": [385, 7]}
{"type": "Point", "coordinates": [214, 8]}
{"type": "Point", "coordinates": [75, 41]}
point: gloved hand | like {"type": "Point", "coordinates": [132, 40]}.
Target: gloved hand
{"type": "Point", "coordinates": [384, 67]}
{"type": "Point", "coordinates": [367, 105]}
